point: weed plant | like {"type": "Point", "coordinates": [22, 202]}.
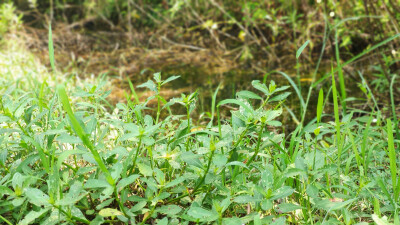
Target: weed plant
{"type": "Point", "coordinates": [64, 159]}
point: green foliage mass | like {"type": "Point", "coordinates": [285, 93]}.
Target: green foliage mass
{"type": "Point", "coordinates": [66, 159]}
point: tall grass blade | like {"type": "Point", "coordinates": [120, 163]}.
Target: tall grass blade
{"type": "Point", "coordinates": [51, 49]}
{"type": "Point", "coordinates": [300, 50]}
{"type": "Point", "coordinates": [81, 133]}
{"type": "Point", "coordinates": [392, 157]}
{"type": "Point", "coordinates": [340, 73]}
{"type": "Point", "coordinates": [394, 107]}
{"type": "Point", "coordinates": [213, 101]}
{"type": "Point", "coordinates": [337, 121]}
{"type": "Point", "coordinates": [320, 105]}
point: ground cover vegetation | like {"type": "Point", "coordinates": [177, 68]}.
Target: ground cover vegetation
{"type": "Point", "coordinates": [68, 156]}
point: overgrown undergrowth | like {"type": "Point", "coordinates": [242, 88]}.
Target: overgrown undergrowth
{"type": "Point", "coordinates": [65, 159]}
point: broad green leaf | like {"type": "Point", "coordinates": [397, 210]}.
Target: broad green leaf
{"type": "Point", "coordinates": [232, 221]}
{"type": "Point", "coordinates": [150, 85]}
{"type": "Point", "coordinates": [95, 183]}
{"type": "Point", "coordinates": [243, 199]}
{"type": "Point", "coordinates": [282, 192]}
{"type": "Point", "coordinates": [75, 194]}
{"type": "Point", "coordinates": [279, 221]}
{"type": "Point", "coordinates": [266, 204]}
{"type": "Point", "coordinates": [248, 95]}
{"type": "Point", "coordinates": [5, 191]}
{"type": "Point", "coordinates": [157, 77]}
{"type": "Point", "coordinates": [288, 207]}
{"type": "Point", "coordinates": [145, 169]}
{"type": "Point", "coordinates": [126, 181]}
{"type": "Point", "coordinates": [169, 209]}
{"type": "Point", "coordinates": [66, 138]}
{"type": "Point", "coordinates": [163, 221]}
{"type": "Point", "coordinates": [280, 97]}
{"type": "Point", "coordinates": [109, 212]}
{"type": "Point", "coordinates": [380, 221]}
{"type": "Point", "coordinates": [202, 214]}
{"type": "Point", "coordinates": [267, 179]}
{"type": "Point", "coordinates": [236, 102]}
{"type": "Point", "coordinates": [191, 159]}
{"type": "Point", "coordinates": [138, 206]}
{"type": "Point", "coordinates": [175, 182]}
{"type": "Point", "coordinates": [330, 205]}
{"type": "Point", "coordinates": [105, 203]}
{"type": "Point", "coordinates": [32, 216]}
{"type": "Point", "coordinates": [312, 191]}
{"type": "Point", "coordinates": [37, 197]}
{"type": "Point", "coordinates": [220, 160]}
{"type": "Point", "coordinates": [261, 87]}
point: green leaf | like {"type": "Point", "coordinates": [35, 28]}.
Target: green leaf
{"type": "Point", "coordinates": [232, 221]}
{"type": "Point", "coordinates": [280, 97]}
{"type": "Point", "coordinates": [191, 159]}
{"type": "Point", "coordinates": [288, 207]}
{"type": "Point", "coordinates": [95, 183]}
{"type": "Point", "coordinates": [320, 104]}
{"type": "Point", "coordinates": [243, 199]}
{"type": "Point", "coordinates": [5, 191]}
{"type": "Point", "coordinates": [236, 163]}
{"type": "Point", "coordinates": [150, 85]}
{"type": "Point", "coordinates": [380, 221]}
{"type": "Point", "coordinates": [145, 170]}
{"type": "Point", "coordinates": [109, 212]}
{"type": "Point", "coordinates": [169, 79]}
{"type": "Point", "coordinates": [169, 209]}
{"type": "Point", "coordinates": [37, 197]}
{"type": "Point", "coordinates": [66, 138]}
{"type": "Point", "coordinates": [81, 133]}
{"type": "Point", "coordinates": [126, 181]}
{"type": "Point", "coordinates": [312, 191]}
{"type": "Point", "coordinates": [138, 206]}
{"type": "Point", "coordinates": [300, 50]}
{"type": "Point", "coordinates": [236, 102]}
{"type": "Point", "coordinates": [266, 204]}
{"type": "Point", "coordinates": [164, 221]}
{"type": "Point", "coordinates": [248, 95]}
{"type": "Point", "coordinates": [261, 87]}
{"type": "Point", "coordinates": [157, 77]}
{"type": "Point", "coordinates": [202, 214]}
{"type": "Point", "coordinates": [220, 160]}
{"type": "Point", "coordinates": [32, 216]}
{"type": "Point", "coordinates": [279, 221]}
{"type": "Point", "coordinates": [267, 179]}
{"type": "Point", "coordinates": [329, 205]}
{"type": "Point", "coordinates": [282, 192]}
{"type": "Point", "coordinates": [175, 182]}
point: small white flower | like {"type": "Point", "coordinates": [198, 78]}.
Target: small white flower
{"type": "Point", "coordinates": [214, 26]}
{"type": "Point", "coordinates": [374, 120]}
{"type": "Point", "coordinates": [394, 52]}
{"type": "Point", "coordinates": [319, 1]}
{"type": "Point", "coordinates": [332, 14]}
